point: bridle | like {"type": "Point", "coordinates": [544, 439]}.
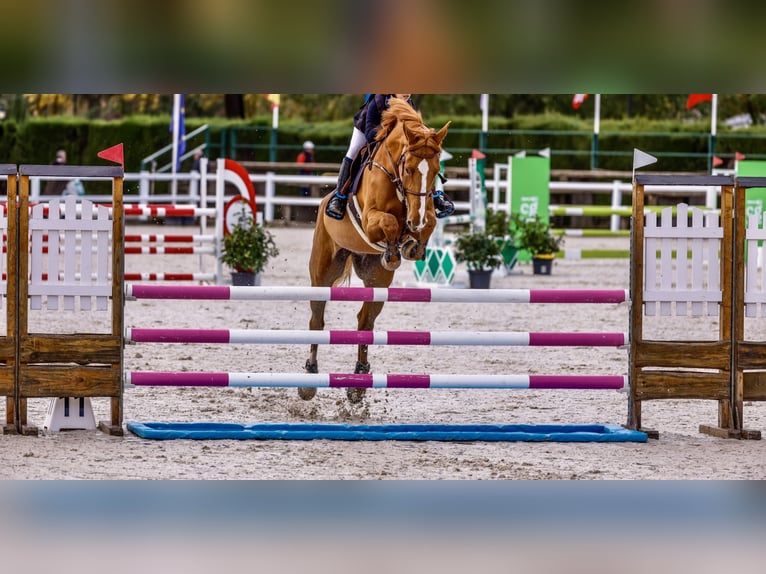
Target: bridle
{"type": "Point", "coordinates": [392, 250]}
{"type": "Point", "coordinates": [395, 178]}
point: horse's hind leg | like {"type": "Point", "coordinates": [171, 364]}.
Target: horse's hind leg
{"type": "Point", "coordinates": [370, 271]}
{"type": "Point", "coordinates": [316, 323]}
{"type": "Point", "coordinates": [326, 267]}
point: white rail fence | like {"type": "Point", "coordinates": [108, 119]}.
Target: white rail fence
{"type": "Point", "coordinates": [268, 200]}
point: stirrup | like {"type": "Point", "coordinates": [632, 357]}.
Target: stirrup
{"type": "Point", "coordinates": [444, 208]}
{"type": "Point", "coordinates": [336, 207]}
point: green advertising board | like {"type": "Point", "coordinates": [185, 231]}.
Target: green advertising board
{"type": "Point", "coordinates": [755, 198]}
{"type": "Point", "coordinates": [529, 185]}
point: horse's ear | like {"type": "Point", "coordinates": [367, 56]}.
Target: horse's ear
{"type": "Point", "coordinates": [408, 133]}
{"type": "Point", "coordinates": [442, 133]}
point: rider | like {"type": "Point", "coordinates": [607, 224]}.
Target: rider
{"type": "Point", "coordinates": [366, 123]}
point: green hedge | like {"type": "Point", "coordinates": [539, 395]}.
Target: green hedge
{"type": "Point", "coordinates": [680, 146]}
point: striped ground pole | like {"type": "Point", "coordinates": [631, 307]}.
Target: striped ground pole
{"type": "Point", "coordinates": [341, 337]}
{"type": "Point", "coordinates": [389, 381]}
{"type": "Point", "coordinates": [150, 238]}
{"type": "Point", "coordinates": [168, 211]}
{"type": "Point", "coordinates": [591, 232]}
{"type": "Point", "coordinates": [155, 210]}
{"type": "Point", "coordinates": [172, 250]}
{"type": "Point", "coordinates": [390, 294]}
{"type": "Point", "coordinates": [161, 238]}
{"type": "Point", "coordinates": [170, 276]}
{"type": "Point", "coordinates": [577, 254]}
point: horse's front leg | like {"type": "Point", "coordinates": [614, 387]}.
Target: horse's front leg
{"type": "Point", "coordinates": [365, 322]}
{"type": "Point", "coordinates": [316, 323]}
{"type": "Point", "coordinates": [382, 226]}
{"type": "Point", "coordinates": [413, 245]}
{"type": "Point", "coordinates": [326, 265]}
{"type": "Point", "coordinates": [369, 270]}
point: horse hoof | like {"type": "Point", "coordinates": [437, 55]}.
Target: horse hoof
{"type": "Point", "coordinates": [307, 393]}
{"type": "Point", "coordinates": [413, 250]}
{"type": "Point", "coordinates": [355, 394]}
{"type": "Point", "coordinates": [390, 264]}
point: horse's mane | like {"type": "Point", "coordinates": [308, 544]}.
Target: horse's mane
{"type": "Point", "coordinates": [398, 111]}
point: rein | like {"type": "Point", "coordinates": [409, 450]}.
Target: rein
{"type": "Point", "coordinates": [395, 178]}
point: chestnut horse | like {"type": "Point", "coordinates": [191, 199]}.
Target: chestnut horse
{"type": "Point", "coordinates": [395, 220]}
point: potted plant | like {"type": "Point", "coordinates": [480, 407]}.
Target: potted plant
{"type": "Point", "coordinates": [246, 250]}
{"type": "Point", "coordinates": [534, 235]}
{"type": "Point", "coordinates": [498, 226]}
{"type": "Point", "coordinates": [481, 254]}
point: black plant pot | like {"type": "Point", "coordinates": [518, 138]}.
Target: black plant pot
{"type": "Point", "coordinates": [542, 265]}
{"type": "Point", "coordinates": [479, 279]}
{"type": "Point", "coordinates": [245, 279]}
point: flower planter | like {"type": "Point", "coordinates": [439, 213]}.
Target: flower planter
{"type": "Point", "coordinates": [542, 264]}
{"type": "Point", "coordinates": [479, 278]}
{"type": "Point", "coordinates": [245, 278]}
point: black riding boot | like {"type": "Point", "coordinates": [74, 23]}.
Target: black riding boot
{"type": "Point", "coordinates": [443, 205]}
{"type": "Point", "coordinates": [336, 207]}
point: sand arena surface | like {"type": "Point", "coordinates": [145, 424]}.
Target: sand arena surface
{"type": "Point", "coordinates": [681, 453]}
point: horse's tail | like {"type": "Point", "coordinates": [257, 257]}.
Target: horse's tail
{"type": "Point", "coordinates": [345, 277]}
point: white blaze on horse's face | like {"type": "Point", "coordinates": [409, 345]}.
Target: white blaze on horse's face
{"type": "Point", "coordinates": [423, 169]}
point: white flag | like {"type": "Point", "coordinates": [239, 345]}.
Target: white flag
{"type": "Point", "coordinates": [484, 105]}
{"type": "Point", "coordinates": [578, 100]}
{"type": "Point", "coordinates": [641, 159]}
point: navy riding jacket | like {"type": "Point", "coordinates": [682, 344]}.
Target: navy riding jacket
{"type": "Point", "coordinates": [368, 118]}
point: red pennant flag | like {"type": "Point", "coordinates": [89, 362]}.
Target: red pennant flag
{"type": "Point", "coordinates": [717, 161]}
{"type": "Point", "coordinates": [578, 100]}
{"type": "Point", "coordinates": [739, 156]}
{"type": "Point", "coordinates": [476, 154]}
{"type": "Point", "coordinates": [114, 154]}
{"type": "Point", "coordinates": [695, 99]}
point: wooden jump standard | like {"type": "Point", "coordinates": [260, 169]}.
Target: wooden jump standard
{"type": "Point", "coordinates": [699, 271]}
{"type": "Point", "coordinates": [77, 276]}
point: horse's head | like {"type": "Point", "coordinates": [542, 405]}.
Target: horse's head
{"type": "Point", "coordinates": [418, 164]}
{"type": "Point", "coordinates": [419, 170]}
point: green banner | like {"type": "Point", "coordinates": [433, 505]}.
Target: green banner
{"type": "Point", "coordinates": [755, 198]}
{"type": "Point", "coordinates": [529, 180]}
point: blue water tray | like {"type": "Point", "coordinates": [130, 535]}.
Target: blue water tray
{"type": "Point", "coordinates": [416, 432]}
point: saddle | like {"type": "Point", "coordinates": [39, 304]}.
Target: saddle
{"type": "Point", "coordinates": [362, 160]}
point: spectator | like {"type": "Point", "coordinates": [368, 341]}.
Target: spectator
{"type": "Point", "coordinates": [198, 155]}
{"type": "Point", "coordinates": [56, 187]}
{"type": "Point", "coordinates": [306, 156]}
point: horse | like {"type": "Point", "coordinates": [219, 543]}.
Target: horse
{"type": "Point", "coordinates": [390, 216]}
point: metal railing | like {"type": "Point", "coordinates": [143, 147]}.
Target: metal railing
{"type": "Point", "coordinates": [149, 163]}
{"type": "Point", "coordinates": [591, 151]}
{"type": "Point", "coordinates": [271, 192]}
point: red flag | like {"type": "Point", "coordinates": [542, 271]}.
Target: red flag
{"type": "Point", "coordinates": [695, 99]}
{"type": "Point", "coordinates": [739, 156]}
{"type": "Point", "coordinates": [274, 99]}
{"type": "Point", "coordinates": [578, 100]}
{"type": "Point", "coordinates": [717, 161]}
{"type": "Point", "coordinates": [476, 154]}
{"type": "Point", "coordinates": [114, 154]}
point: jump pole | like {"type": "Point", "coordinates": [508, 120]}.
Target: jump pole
{"type": "Point", "coordinates": [375, 381]}
{"type": "Point", "coordinates": [390, 294]}
{"type": "Point", "coordinates": [335, 337]}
